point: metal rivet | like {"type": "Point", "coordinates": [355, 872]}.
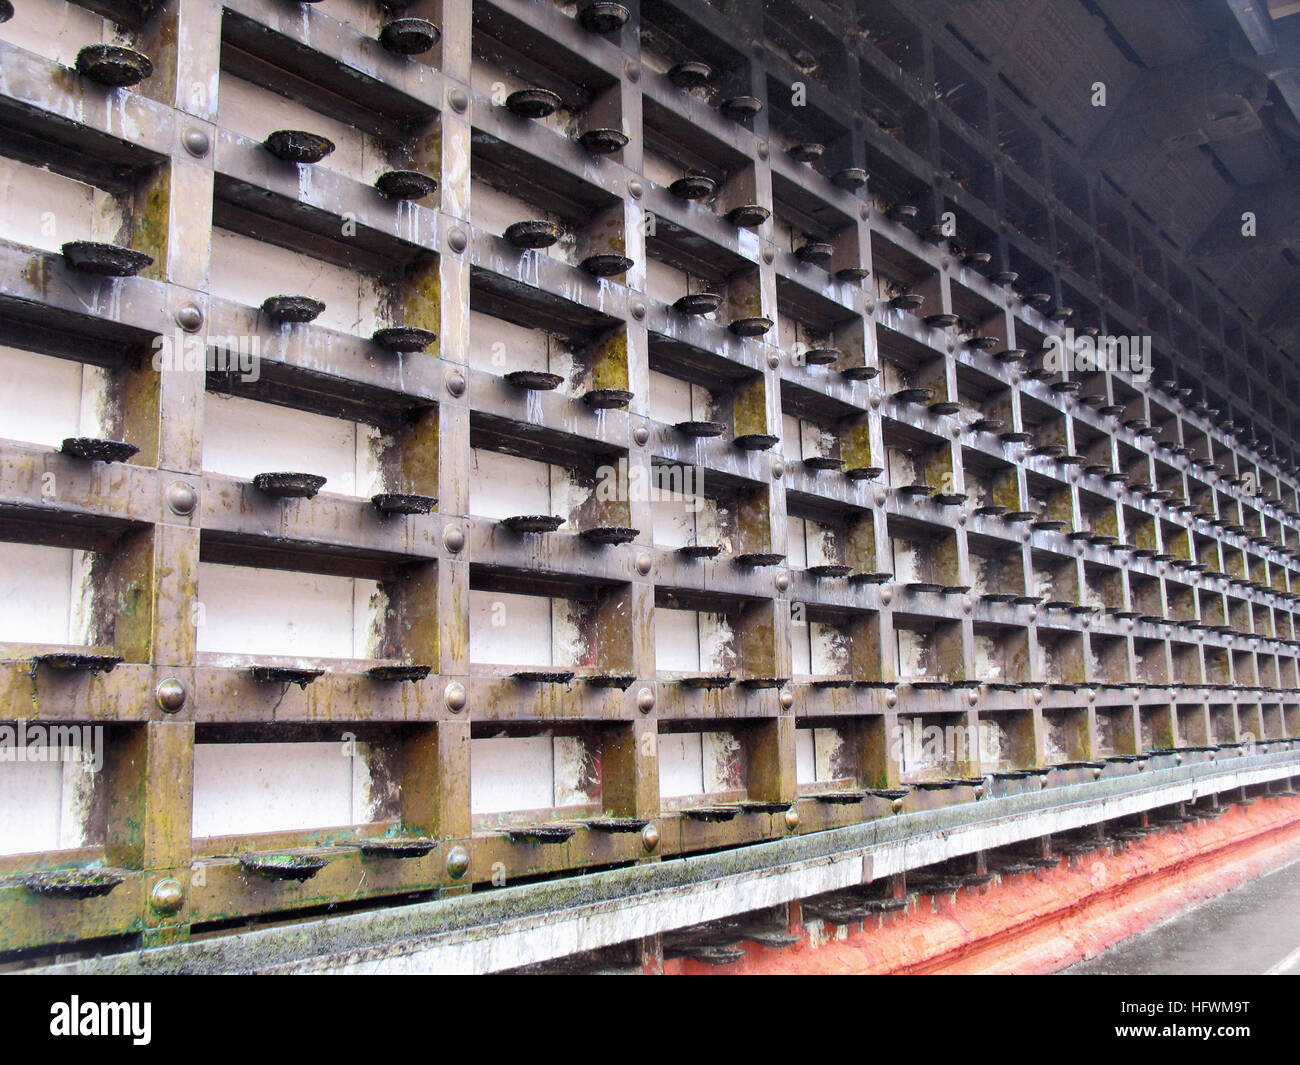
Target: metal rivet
{"type": "Point", "coordinates": [456, 384]}
{"type": "Point", "coordinates": [643, 564]}
{"type": "Point", "coordinates": [869, 306]}
{"type": "Point", "coordinates": [973, 698]}
{"type": "Point", "coordinates": [453, 538]}
{"type": "Point", "coordinates": [454, 696]}
{"type": "Point", "coordinates": [782, 582]}
{"type": "Point", "coordinates": [897, 805]}
{"type": "Point", "coordinates": [762, 149]}
{"type": "Point", "coordinates": [778, 470]}
{"type": "Point", "coordinates": [649, 838]}
{"type": "Point", "coordinates": [773, 360]}
{"type": "Point", "coordinates": [874, 400]}
{"type": "Point", "coordinates": [188, 317]}
{"type": "Point", "coordinates": [1033, 613]}
{"type": "Point", "coordinates": [641, 435]}
{"type": "Point", "coordinates": [635, 188]}
{"type": "Point", "coordinates": [886, 595]}
{"type": "Point", "coordinates": [645, 700]}
{"type": "Point", "coordinates": [891, 700]}
{"type": "Point", "coordinates": [458, 100]}
{"type": "Point", "coordinates": [1036, 696]}
{"type": "Point", "coordinates": [792, 819]}
{"type": "Point", "coordinates": [457, 240]}
{"type": "Point", "coordinates": [879, 496]}
{"type": "Point", "coordinates": [169, 695]}
{"type": "Point", "coordinates": [961, 518]}
{"type": "Point", "coordinates": [768, 254]}
{"type": "Point", "coordinates": [181, 498]}
{"type": "Point", "coordinates": [637, 309]}
{"type": "Point", "coordinates": [633, 71]}
{"type": "Point", "coordinates": [864, 212]}
{"type": "Point", "coordinates": [196, 142]}
{"type": "Point", "coordinates": [967, 604]}
{"type": "Point", "coordinates": [167, 897]}
{"type": "Point", "coordinates": [787, 699]}
{"type": "Point", "coordinates": [457, 862]}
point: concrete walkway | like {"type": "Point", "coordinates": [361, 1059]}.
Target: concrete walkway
{"type": "Point", "coordinates": [1254, 929]}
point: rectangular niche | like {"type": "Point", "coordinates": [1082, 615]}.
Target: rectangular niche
{"type": "Point", "coordinates": [244, 437]}
{"type": "Point", "coordinates": [245, 786]}
{"type": "Point", "coordinates": [255, 112]}
{"type": "Point", "coordinates": [1005, 740]}
{"type": "Point", "coordinates": [520, 629]}
{"type": "Point", "coordinates": [824, 755]}
{"type": "Point", "coordinates": [1115, 731]}
{"type": "Point", "coordinates": [504, 485]}
{"type": "Point", "coordinates": [695, 764]}
{"type": "Point", "coordinates": [45, 210]}
{"type": "Point", "coordinates": [46, 399]}
{"type": "Point", "coordinates": [531, 774]}
{"type": "Point", "coordinates": [46, 594]}
{"type": "Point", "coordinates": [693, 641]}
{"type": "Point", "coordinates": [930, 746]}
{"type": "Point", "coordinates": [247, 270]}
{"type": "Point", "coordinates": [1065, 735]}
{"type": "Point", "coordinates": [50, 789]}
{"type": "Point", "coordinates": [249, 610]}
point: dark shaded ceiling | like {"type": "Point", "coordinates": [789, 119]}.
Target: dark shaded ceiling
{"type": "Point", "coordinates": [1195, 131]}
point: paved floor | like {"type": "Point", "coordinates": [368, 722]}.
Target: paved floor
{"type": "Point", "coordinates": [1253, 929]}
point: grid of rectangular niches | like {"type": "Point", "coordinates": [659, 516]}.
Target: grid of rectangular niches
{"type": "Point", "coordinates": [475, 631]}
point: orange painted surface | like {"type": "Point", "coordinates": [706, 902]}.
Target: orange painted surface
{"type": "Point", "coordinates": [1042, 921]}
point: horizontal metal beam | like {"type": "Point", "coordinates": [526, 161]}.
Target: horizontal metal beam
{"type": "Point", "coordinates": [538, 922]}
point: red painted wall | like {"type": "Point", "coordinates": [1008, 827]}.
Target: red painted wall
{"type": "Point", "coordinates": [1042, 921]}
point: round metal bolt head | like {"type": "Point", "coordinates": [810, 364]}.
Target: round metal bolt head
{"type": "Point", "coordinates": [633, 71]}
{"type": "Point", "coordinates": [782, 582]}
{"type": "Point", "coordinates": [457, 862]}
{"type": "Point", "coordinates": [973, 698]}
{"type": "Point", "coordinates": [454, 696]}
{"type": "Point", "coordinates": [778, 470]}
{"type": "Point", "coordinates": [645, 700]}
{"type": "Point", "coordinates": [167, 897]}
{"type": "Point", "coordinates": [1037, 696]}
{"type": "Point", "coordinates": [458, 100]}
{"type": "Point", "coordinates": [196, 142]}
{"type": "Point", "coordinates": [188, 317]}
{"type": "Point", "coordinates": [886, 595]}
{"type": "Point", "coordinates": [879, 496]}
{"type": "Point", "coordinates": [650, 838]}
{"type": "Point", "coordinates": [773, 360]}
{"type": "Point", "coordinates": [457, 240]}
{"type": "Point", "coordinates": [641, 435]}
{"type": "Point", "coordinates": [768, 254]}
{"type": "Point", "coordinates": [638, 310]}
{"type": "Point", "coordinates": [182, 498]}
{"type": "Point", "coordinates": [792, 819]}
{"type": "Point", "coordinates": [643, 564]}
{"type": "Point", "coordinates": [456, 384]}
{"type": "Point", "coordinates": [897, 805]}
{"type": "Point", "coordinates": [1096, 772]}
{"type": "Point", "coordinates": [635, 189]}
{"type": "Point", "coordinates": [891, 700]}
{"type": "Point", "coordinates": [453, 538]}
{"type": "Point", "coordinates": [762, 149]}
{"type": "Point", "coordinates": [169, 695]}
{"type": "Point", "coordinates": [787, 699]}
{"type": "Point", "coordinates": [967, 604]}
